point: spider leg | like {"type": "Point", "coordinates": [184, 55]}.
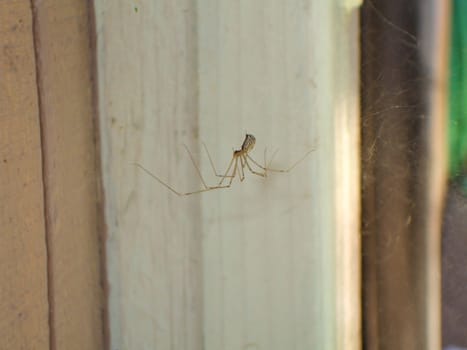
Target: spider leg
{"type": "Point", "coordinates": [196, 167]}
{"type": "Point", "coordinates": [227, 171]}
{"type": "Point", "coordinates": [158, 180]}
{"type": "Point", "coordinates": [205, 190]}
{"type": "Point", "coordinates": [270, 160]}
{"type": "Point", "coordinates": [212, 163]}
{"type": "Point", "coordinates": [234, 172]}
{"type": "Point", "coordinates": [208, 188]}
{"type": "Point", "coordinates": [245, 160]}
{"type": "Point", "coordinates": [242, 172]}
{"type": "Point", "coordinates": [272, 157]}
{"type": "Point", "coordinates": [268, 163]}
{"type": "Point", "coordinates": [280, 170]}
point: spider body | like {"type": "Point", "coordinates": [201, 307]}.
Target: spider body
{"type": "Point", "coordinates": [240, 159]}
{"type": "Point", "coordinates": [247, 146]}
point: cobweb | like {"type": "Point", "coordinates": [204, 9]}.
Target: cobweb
{"type": "Point", "coordinates": [396, 82]}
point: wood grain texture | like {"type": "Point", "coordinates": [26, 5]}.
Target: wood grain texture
{"type": "Point", "coordinates": [281, 255]}
{"type": "Point", "coordinates": [63, 49]}
{"type": "Point", "coordinates": [148, 109]}
{"type": "Point", "coordinates": [23, 256]}
{"type": "Point", "coordinates": [266, 264]}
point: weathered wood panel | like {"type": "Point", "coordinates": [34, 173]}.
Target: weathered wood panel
{"type": "Point", "coordinates": [266, 264]}
{"type": "Point", "coordinates": [64, 63]}
{"type": "Point", "coordinates": [23, 255]}
{"type": "Point", "coordinates": [148, 109]}
{"type": "Point", "coordinates": [281, 255]}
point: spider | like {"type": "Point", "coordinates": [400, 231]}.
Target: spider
{"type": "Point", "coordinates": [240, 159]}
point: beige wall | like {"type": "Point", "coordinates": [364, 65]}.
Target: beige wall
{"type": "Point", "coordinates": [51, 290]}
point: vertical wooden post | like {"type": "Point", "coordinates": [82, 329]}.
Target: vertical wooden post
{"type": "Point", "coordinates": [23, 254]}
{"type": "Point", "coordinates": [281, 255]}
{"type": "Point", "coordinates": [148, 108]}
{"type": "Point", "coordinates": [269, 263]}
{"type": "Point", "coordinates": [51, 294]}
{"type": "Point", "coordinates": [63, 41]}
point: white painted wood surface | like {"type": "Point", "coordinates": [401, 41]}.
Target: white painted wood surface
{"type": "Point", "coordinates": [267, 264]}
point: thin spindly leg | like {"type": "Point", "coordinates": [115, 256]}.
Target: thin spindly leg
{"type": "Point", "coordinates": [280, 170]}
{"type": "Point", "coordinates": [242, 167]}
{"type": "Point", "coordinates": [227, 171]}
{"type": "Point", "coordinates": [157, 179]}
{"type": "Point", "coordinates": [265, 173]}
{"type": "Point", "coordinates": [206, 190]}
{"type": "Point", "coordinates": [196, 167]}
{"type": "Point", "coordinates": [251, 170]}
{"type": "Point", "coordinates": [219, 186]}
{"type": "Point", "coordinates": [212, 163]}
{"type": "Point", "coordinates": [175, 191]}
{"type": "Point", "coordinates": [270, 161]}
{"type": "Point", "coordinates": [234, 172]}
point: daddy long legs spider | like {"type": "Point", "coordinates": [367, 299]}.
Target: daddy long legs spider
{"type": "Point", "coordinates": [240, 159]}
